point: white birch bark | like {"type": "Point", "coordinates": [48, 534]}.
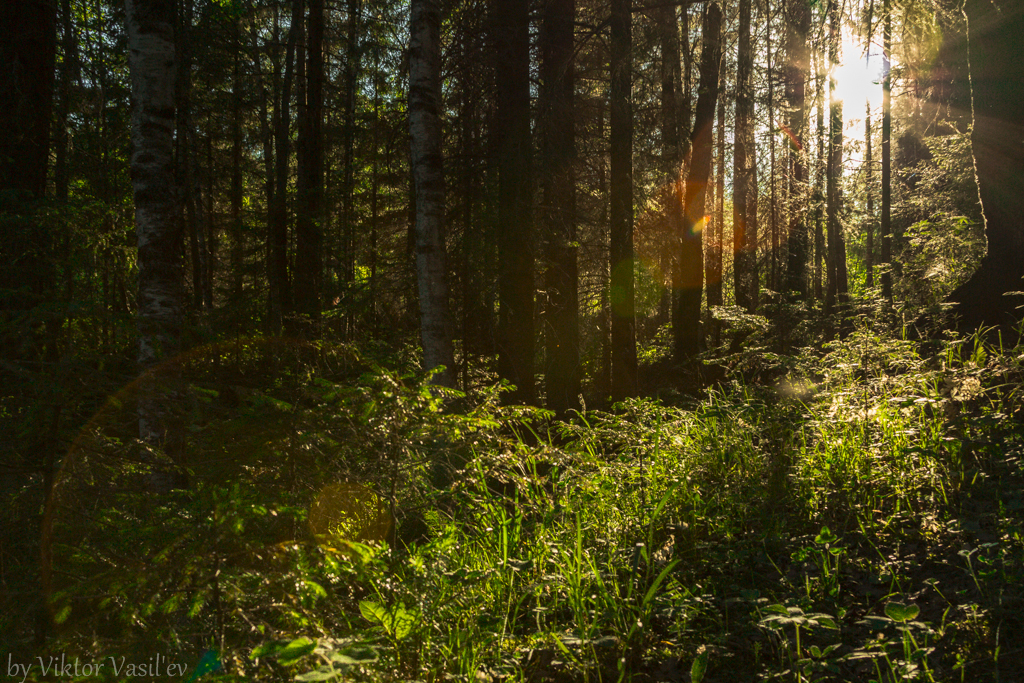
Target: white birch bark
{"type": "Point", "coordinates": [152, 65]}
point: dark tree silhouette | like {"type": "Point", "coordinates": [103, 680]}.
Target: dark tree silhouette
{"type": "Point", "coordinates": [687, 279]}
{"type": "Point", "coordinates": [515, 199]}
{"type": "Point", "coordinates": [558, 212]}
{"type": "Point", "coordinates": [994, 90]}
{"type": "Point", "coordinates": [624, 362]}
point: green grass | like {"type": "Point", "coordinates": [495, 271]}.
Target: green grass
{"type": "Point", "coordinates": [859, 518]}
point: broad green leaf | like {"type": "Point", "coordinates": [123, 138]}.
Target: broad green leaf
{"type": "Point", "coordinates": [403, 622]}
{"type": "Point", "coordinates": [900, 612]}
{"type": "Point", "coordinates": [296, 650]}
{"type": "Point", "coordinates": [372, 611]}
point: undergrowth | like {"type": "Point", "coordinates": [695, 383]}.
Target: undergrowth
{"type": "Point", "coordinates": [859, 519]}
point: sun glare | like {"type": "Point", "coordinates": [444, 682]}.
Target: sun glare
{"type": "Point", "coordinates": [859, 75]}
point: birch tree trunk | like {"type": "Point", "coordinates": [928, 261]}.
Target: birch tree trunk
{"type": "Point", "coordinates": [152, 64]}
{"type": "Point", "coordinates": [428, 178]}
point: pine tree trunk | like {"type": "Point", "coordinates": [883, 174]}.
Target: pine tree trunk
{"type": "Point", "coordinates": [348, 127]}
{"type": "Point", "coordinates": [515, 200]}
{"type": "Point", "coordinates": [428, 177]}
{"type": "Point", "coordinates": [798, 23]}
{"type": "Point", "coordinates": [28, 46]}
{"type": "Point", "coordinates": [558, 213]}
{"type": "Point", "coordinates": [279, 300]}
{"type": "Point", "coordinates": [819, 186]}
{"type": "Point", "coordinates": [672, 135]}
{"type": "Point", "coordinates": [744, 172]}
{"type": "Point", "coordinates": [869, 228]}
{"type": "Point", "coordinates": [309, 235]}
{"type": "Point", "coordinates": [624, 363]}
{"type": "Point", "coordinates": [886, 224]}
{"type": "Point", "coordinates": [236, 198]}
{"type": "Point", "coordinates": [996, 91]}
{"type": "Point", "coordinates": [716, 254]}
{"type": "Point", "coordinates": [837, 280]}
{"type": "Point", "coordinates": [688, 279]}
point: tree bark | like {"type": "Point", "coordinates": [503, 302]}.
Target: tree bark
{"type": "Point", "coordinates": [744, 200]}
{"type": "Point", "coordinates": [28, 48]}
{"type": "Point", "coordinates": [819, 185]}
{"type": "Point", "coordinates": [237, 254]}
{"type": "Point", "coordinates": [353, 63]}
{"type": "Point", "coordinates": [886, 225]}
{"type": "Point", "coordinates": [279, 299]}
{"type": "Point", "coordinates": [309, 232]}
{"type": "Point", "coordinates": [995, 93]}
{"type": "Point", "coordinates": [558, 149]}
{"type": "Point", "coordinates": [672, 135]}
{"type": "Point", "coordinates": [428, 177]}
{"type": "Point", "coordinates": [869, 228]}
{"type": "Point", "coordinates": [837, 280]}
{"type": "Point", "coordinates": [688, 279]}
{"type": "Point", "coordinates": [716, 254]}
{"type": "Point", "coordinates": [798, 23]}
{"type": "Point", "coordinates": [151, 62]}
{"type": "Point", "coordinates": [622, 294]}
{"type": "Point", "coordinates": [515, 200]}
{"type": "Point", "coordinates": [28, 39]}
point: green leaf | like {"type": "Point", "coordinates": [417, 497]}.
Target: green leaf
{"type": "Point", "coordinates": [324, 673]}
{"type": "Point", "coordinates": [372, 611]}
{"type": "Point", "coordinates": [296, 650]}
{"type": "Point", "coordinates": [403, 622]}
{"type": "Point", "coordinates": [699, 667]}
{"type": "Point", "coordinates": [900, 612]}
{"type": "Point", "coordinates": [267, 649]}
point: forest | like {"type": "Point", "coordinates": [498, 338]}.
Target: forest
{"type": "Point", "coordinates": [540, 341]}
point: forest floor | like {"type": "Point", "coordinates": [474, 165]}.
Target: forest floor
{"type": "Point", "coordinates": [858, 517]}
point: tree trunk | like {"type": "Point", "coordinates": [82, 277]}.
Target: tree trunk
{"type": "Point", "coordinates": [798, 23]}
{"type": "Point", "coordinates": [837, 282]}
{"type": "Point", "coordinates": [515, 200]}
{"type": "Point", "coordinates": [995, 91]}
{"type": "Point", "coordinates": [624, 364]}
{"type": "Point", "coordinates": [744, 202]}
{"type": "Point", "coordinates": [309, 234]}
{"type": "Point", "coordinates": [671, 141]}
{"type": "Point", "coordinates": [558, 150]}
{"type": "Point", "coordinates": [279, 299]}
{"type": "Point", "coordinates": [688, 277]}
{"type": "Point", "coordinates": [28, 44]}
{"type": "Point", "coordinates": [152, 65]}
{"type": "Point", "coordinates": [819, 186]}
{"type": "Point", "coordinates": [428, 177]}
{"type": "Point", "coordinates": [28, 39]}
{"type": "Point", "coordinates": [869, 228]}
{"type": "Point", "coordinates": [886, 224]}
{"type": "Point", "coordinates": [353, 63]}
{"type": "Point", "coordinates": [773, 218]}
{"type": "Point", "coordinates": [715, 256]}
{"type": "Point", "coordinates": [236, 197]}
